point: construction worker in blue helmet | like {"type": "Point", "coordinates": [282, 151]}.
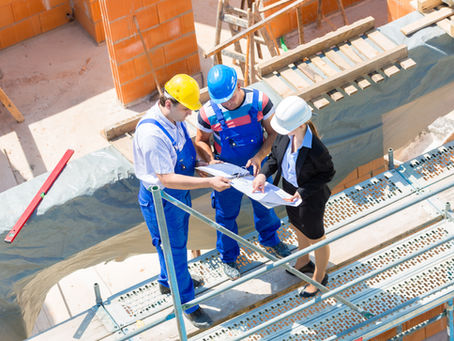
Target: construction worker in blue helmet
{"type": "Point", "coordinates": [236, 118]}
{"type": "Point", "coordinates": [164, 156]}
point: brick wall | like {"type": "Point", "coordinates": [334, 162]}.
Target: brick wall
{"type": "Point", "coordinates": [169, 33]}
{"type": "Point", "coordinates": [398, 8]}
{"type": "Point", "coordinates": [286, 23]}
{"type": "Point", "coordinates": [22, 19]}
{"type": "Point", "coordinates": [88, 14]}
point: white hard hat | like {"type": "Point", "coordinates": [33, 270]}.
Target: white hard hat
{"type": "Point", "coordinates": [291, 112]}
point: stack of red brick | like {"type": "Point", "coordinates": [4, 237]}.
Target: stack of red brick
{"type": "Point", "coordinates": [169, 34]}
{"type": "Point", "coordinates": [22, 19]}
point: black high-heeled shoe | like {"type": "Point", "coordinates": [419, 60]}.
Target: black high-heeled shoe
{"type": "Point", "coordinates": [308, 268]}
{"type": "Point", "coordinates": [306, 294]}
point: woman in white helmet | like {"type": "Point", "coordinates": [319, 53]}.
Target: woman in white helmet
{"type": "Point", "coordinates": [306, 167]}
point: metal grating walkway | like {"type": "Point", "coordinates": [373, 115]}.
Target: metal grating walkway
{"type": "Point", "coordinates": [372, 195]}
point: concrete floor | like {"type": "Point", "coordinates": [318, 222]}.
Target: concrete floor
{"type": "Point", "coordinates": [62, 84]}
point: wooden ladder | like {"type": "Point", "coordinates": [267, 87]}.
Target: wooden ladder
{"type": "Point", "coordinates": [9, 105]}
{"type": "Point", "coordinates": [239, 19]}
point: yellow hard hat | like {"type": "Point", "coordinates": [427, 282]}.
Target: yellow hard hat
{"type": "Point", "coordinates": [185, 90]}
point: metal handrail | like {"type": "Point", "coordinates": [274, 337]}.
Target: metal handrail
{"type": "Point", "coordinates": [157, 197]}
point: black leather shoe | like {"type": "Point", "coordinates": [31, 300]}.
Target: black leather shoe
{"type": "Point", "coordinates": [196, 280]}
{"type": "Point", "coordinates": [308, 268]}
{"type": "Point", "coordinates": [199, 318]}
{"type": "Point", "coordinates": [306, 294]}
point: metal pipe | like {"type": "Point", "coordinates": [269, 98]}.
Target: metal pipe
{"type": "Point", "coordinates": [271, 257]}
{"type": "Point", "coordinates": [339, 289]}
{"type": "Point", "coordinates": [419, 197]}
{"type": "Point", "coordinates": [390, 158]}
{"type": "Point", "coordinates": [97, 294]}
{"type": "Point", "coordinates": [160, 217]}
{"type": "Point", "coordinates": [450, 328]}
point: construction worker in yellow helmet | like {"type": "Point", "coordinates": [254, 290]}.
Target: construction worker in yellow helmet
{"type": "Point", "coordinates": [164, 156]}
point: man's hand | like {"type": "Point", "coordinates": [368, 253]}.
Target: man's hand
{"type": "Point", "coordinates": [214, 161]}
{"type": "Point", "coordinates": [295, 197]}
{"type": "Point", "coordinates": [255, 163]}
{"type": "Point", "coordinates": [219, 183]}
{"type": "Point", "coordinates": [258, 184]}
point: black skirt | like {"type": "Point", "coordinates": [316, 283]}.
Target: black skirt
{"type": "Point", "coordinates": [308, 216]}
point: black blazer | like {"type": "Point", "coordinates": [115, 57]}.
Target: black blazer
{"type": "Point", "coordinates": [314, 166]}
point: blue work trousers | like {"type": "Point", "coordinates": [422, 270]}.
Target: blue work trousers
{"type": "Point", "coordinates": [177, 226]}
{"type": "Point", "coordinates": [227, 204]}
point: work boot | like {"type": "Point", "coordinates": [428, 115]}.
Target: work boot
{"type": "Point", "coordinates": [199, 318]}
{"type": "Point", "coordinates": [196, 280]}
{"type": "Point", "coordinates": [281, 250]}
{"type": "Point", "coordinates": [231, 270]}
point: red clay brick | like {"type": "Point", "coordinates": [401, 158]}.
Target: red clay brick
{"type": "Point", "coordinates": [147, 17]}
{"type": "Point", "coordinates": [26, 8]}
{"type": "Point", "coordinates": [127, 49]}
{"type": "Point", "coordinates": [126, 71]}
{"type": "Point", "coordinates": [187, 23]}
{"type": "Point", "coordinates": [117, 8]}
{"type": "Point", "coordinates": [27, 28]}
{"type": "Point", "coordinates": [193, 63]}
{"type": "Point", "coordinates": [163, 33]}
{"type": "Point", "coordinates": [54, 17]}
{"type": "Point", "coordinates": [5, 2]}
{"type": "Point", "coordinates": [6, 15]}
{"type": "Point", "coordinates": [99, 32]}
{"type": "Point", "coordinates": [378, 171]}
{"type": "Point", "coordinates": [149, 2]}
{"type": "Point", "coordinates": [95, 11]}
{"type": "Point", "coordinates": [168, 9]}
{"type": "Point", "coordinates": [142, 65]}
{"type": "Point", "coordinates": [137, 88]}
{"type": "Point", "coordinates": [121, 28]}
{"type": "Point", "coordinates": [180, 48]}
{"type": "Point", "coordinates": [385, 336]}
{"type": "Point", "coordinates": [8, 37]}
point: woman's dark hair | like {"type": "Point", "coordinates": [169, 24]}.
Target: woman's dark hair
{"type": "Point", "coordinates": [165, 97]}
{"type": "Point", "coordinates": [313, 128]}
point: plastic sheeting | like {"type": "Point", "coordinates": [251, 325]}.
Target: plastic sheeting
{"type": "Point", "coordinates": [91, 214]}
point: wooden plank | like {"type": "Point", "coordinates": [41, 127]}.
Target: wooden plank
{"type": "Point", "coordinates": [316, 45]}
{"type": "Point", "coordinates": [407, 63]}
{"type": "Point", "coordinates": [376, 77]}
{"type": "Point", "coordinates": [350, 89]}
{"type": "Point", "coordinates": [386, 44]}
{"type": "Point", "coordinates": [447, 25]}
{"type": "Point", "coordinates": [9, 105]}
{"type": "Point", "coordinates": [320, 103]}
{"type": "Point", "coordinates": [335, 95]}
{"type": "Point", "coordinates": [429, 19]}
{"type": "Point", "coordinates": [424, 5]}
{"type": "Point", "coordinates": [328, 71]}
{"type": "Point", "coordinates": [381, 40]}
{"type": "Point", "coordinates": [293, 77]}
{"type": "Point", "coordinates": [343, 77]}
{"type": "Point", "coordinates": [278, 85]}
{"type": "Point", "coordinates": [310, 72]}
{"type": "Point", "coordinates": [364, 48]}
{"type": "Point", "coordinates": [363, 83]}
{"type": "Point", "coordinates": [369, 52]}
{"type": "Point", "coordinates": [338, 60]}
{"type": "Point", "coordinates": [122, 127]}
{"type": "Point", "coordinates": [350, 53]}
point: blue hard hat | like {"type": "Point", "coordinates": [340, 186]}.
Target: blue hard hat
{"type": "Point", "coordinates": [221, 82]}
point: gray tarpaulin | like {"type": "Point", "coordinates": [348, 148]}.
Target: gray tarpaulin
{"type": "Point", "coordinates": [91, 214]}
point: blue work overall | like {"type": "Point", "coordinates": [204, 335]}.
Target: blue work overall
{"type": "Point", "coordinates": [177, 220]}
{"type": "Point", "coordinates": [238, 145]}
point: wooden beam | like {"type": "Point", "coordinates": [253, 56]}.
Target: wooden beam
{"type": "Point", "coordinates": [9, 105]}
{"type": "Point", "coordinates": [122, 127]}
{"type": "Point", "coordinates": [316, 45]}
{"type": "Point", "coordinates": [365, 67]}
{"type": "Point", "coordinates": [253, 28]}
{"type": "Point", "coordinates": [424, 5]}
{"type": "Point", "coordinates": [447, 25]}
{"type": "Point", "coordinates": [429, 19]}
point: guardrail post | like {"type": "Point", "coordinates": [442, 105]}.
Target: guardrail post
{"type": "Point", "coordinates": [450, 327]}
{"type": "Point", "coordinates": [390, 158]}
{"type": "Point", "coordinates": [157, 199]}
